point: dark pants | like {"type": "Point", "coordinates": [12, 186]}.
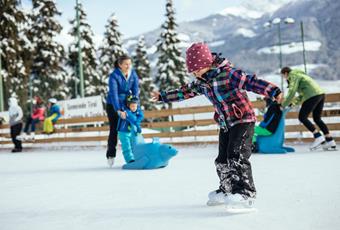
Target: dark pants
{"type": "Point", "coordinates": [232, 163]}
{"type": "Point", "coordinates": [112, 141]}
{"type": "Point", "coordinates": [30, 122]}
{"type": "Point", "coordinates": [15, 131]}
{"type": "Point", "coordinates": [315, 105]}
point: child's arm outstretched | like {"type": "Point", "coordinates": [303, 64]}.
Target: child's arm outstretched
{"type": "Point", "coordinates": [186, 91]}
{"type": "Point", "coordinates": [252, 83]}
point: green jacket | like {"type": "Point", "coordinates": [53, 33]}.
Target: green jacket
{"type": "Point", "coordinates": [304, 85]}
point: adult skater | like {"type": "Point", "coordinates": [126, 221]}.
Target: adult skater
{"type": "Point", "coordinates": [122, 82]}
{"type": "Point", "coordinates": [15, 123]}
{"type": "Point", "coordinates": [225, 87]}
{"type": "Point", "coordinates": [312, 98]}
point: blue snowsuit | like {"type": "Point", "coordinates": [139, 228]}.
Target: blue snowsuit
{"type": "Point", "coordinates": [128, 129]}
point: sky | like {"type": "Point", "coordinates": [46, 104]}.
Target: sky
{"type": "Point", "coordinates": [138, 16]}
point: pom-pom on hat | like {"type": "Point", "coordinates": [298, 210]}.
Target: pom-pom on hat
{"type": "Point", "coordinates": [198, 56]}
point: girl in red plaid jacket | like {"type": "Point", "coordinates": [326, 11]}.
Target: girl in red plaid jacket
{"type": "Point", "coordinates": [226, 87]}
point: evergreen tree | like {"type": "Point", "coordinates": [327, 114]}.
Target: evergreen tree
{"type": "Point", "coordinates": [89, 57]}
{"type": "Point", "coordinates": [109, 51]}
{"type": "Point", "coordinates": [14, 73]}
{"type": "Point", "coordinates": [48, 57]}
{"type": "Point", "coordinates": [171, 66]}
{"type": "Point", "coordinates": [142, 67]}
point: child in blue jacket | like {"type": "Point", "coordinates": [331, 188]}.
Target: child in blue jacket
{"type": "Point", "coordinates": [129, 128]}
{"type": "Point", "coordinates": [53, 116]}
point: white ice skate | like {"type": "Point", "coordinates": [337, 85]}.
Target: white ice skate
{"type": "Point", "coordinates": [317, 143]}
{"type": "Point", "coordinates": [30, 137]}
{"type": "Point", "coordinates": [110, 161]}
{"type": "Point", "coordinates": [216, 198]}
{"type": "Point", "coordinates": [21, 137]}
{"type": "Point", "coordinates": [329, 146]}
{"type": "Point", "coordinates": [237, 203]}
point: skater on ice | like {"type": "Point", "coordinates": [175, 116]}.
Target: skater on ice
{"type": "Point", "coordinates": [15, 122]}
{"type": "Point", "coordinates": [312, 98]}
{"type": "Point", "coordinates": [123, 81]}
{"type": "Point", "coordinates": [130, 127]}
{"type": "Point", "coordinates": [225, 87]}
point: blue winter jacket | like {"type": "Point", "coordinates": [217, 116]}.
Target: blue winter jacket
{"type": "Point", "coordinates": [132, 121]}
{"type": "Point", "coordinates": [120, 87]}
{"type": "Point", "coordinates": [55, 109]}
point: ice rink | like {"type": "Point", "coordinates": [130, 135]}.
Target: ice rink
{"type": "Point", "coordinates": [74, 189]}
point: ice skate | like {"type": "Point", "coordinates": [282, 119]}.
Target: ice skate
{"type": "Point", "coordinates": [329, 146]}
{"type": "Point", "coordinates": [237, 203]}
{"type": "Point", "coordinates": [22, 137]}
{"type": "Point", "coordinates": [30, 137]}
{"type": "Point", "coordinates": [317, 143]}
{"type": "Point", "coordinates": [110, 161]}
{"type": "Point", "coordinates": [216, 198]}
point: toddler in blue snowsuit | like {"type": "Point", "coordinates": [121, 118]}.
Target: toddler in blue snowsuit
{"type": "Point", "coordinates": [129, 128]}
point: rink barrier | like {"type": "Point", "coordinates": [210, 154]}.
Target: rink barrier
{"type": "Point", "coordinates": [95, 129]}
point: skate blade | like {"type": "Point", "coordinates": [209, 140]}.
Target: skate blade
{"type": "Point", "coordinates": [214, 203]}
{"type": "Point", "coordinates": [240, 210]}
{"type": "Point", "coordinates": [330, 149]}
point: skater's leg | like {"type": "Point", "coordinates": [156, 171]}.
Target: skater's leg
{"type": "Point", "coordinates": [307, 107]}
{"type": "Point", "coordinates": [125, 140]}
{"type": "Point", "coordinates": [222, 159]}
{"type": "Point", "coordinates": [34, 122]}
{"type": "Point", "coordinates": [239, 173]}
{"type": "Point", "coordinates": [112, 140]}
{"type": "Point", "coordinates": [28, 123]}
{"type": "Point", "coordinates": [15, 131]}
{"type": "Point", "coordinates": [317, 115]}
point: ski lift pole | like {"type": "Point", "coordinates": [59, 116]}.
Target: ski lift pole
{"type": "Point", "coordinates": [303, 46]}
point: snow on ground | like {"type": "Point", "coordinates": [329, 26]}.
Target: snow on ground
{"type": "Point", "coordinates": [73, 189]}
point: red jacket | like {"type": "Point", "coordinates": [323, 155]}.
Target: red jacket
{"type": "Point", "coordinates": [38, 113]}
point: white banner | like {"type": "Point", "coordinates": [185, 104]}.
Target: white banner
{"type": "Point", "coordinates": [82, 107]}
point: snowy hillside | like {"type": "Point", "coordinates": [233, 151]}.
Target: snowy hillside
{"type": "Point", "coordinates": [74, 189]}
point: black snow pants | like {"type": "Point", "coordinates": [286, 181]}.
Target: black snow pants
{"type": "Point", "coordinates": [232, 163]}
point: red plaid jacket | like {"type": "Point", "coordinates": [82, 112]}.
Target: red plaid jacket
{"type": "Point", "coordinates": [225, 87]}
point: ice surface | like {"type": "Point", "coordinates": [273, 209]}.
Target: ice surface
{"type": "Point", "coordinates": [74, 189]}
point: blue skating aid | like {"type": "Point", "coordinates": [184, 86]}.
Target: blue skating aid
{"type": "Point", "coordinates": [151, 155]}
{"type": "Point", "coordinates": [274, 143]}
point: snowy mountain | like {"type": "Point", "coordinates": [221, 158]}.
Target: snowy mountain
{"type": "Point", "coordinates": [239, 34]}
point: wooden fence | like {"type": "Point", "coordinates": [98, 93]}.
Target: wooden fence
{"type": "Point", "coordinates": [95, 129]}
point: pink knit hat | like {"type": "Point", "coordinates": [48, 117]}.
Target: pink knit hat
{"type": "Point", "coordinates": [198, 57]}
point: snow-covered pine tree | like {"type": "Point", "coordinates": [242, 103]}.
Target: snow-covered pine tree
{"type": "Point", "coordinates": [109, 51]}
{"type": "Point", "coordinates": [171, 65]}
{"type": "Point", "coordinates": [48, 57]}
{"type": "Point", "coordinates": [14, 73]}
{"type": "Point", "coordinates": [89, 56]}
{"type": "Point", "coordinates": [143, 69]}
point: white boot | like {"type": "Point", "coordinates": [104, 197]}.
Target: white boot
{"type": "Point", "coordinates": [238, 201]}
{"type": "Point", "coordinates": [22, 137]}
{"type": "Point", "coordinates": [317, 143]}
{"type": "Point", "coordinates": [31, 136]}
{"type": "Point", "coordinates": [329, 145]}
{"type": "Point", "coordinates": [110, 161]}
{"type": "Point", "coordinates": [216, 198]}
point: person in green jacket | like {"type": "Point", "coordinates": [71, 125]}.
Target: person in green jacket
{"type": "Point", "coordinates": [312, 98]}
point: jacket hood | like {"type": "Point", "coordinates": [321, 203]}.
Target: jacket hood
{"type": "Point", "coordinates": [12, 101]}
